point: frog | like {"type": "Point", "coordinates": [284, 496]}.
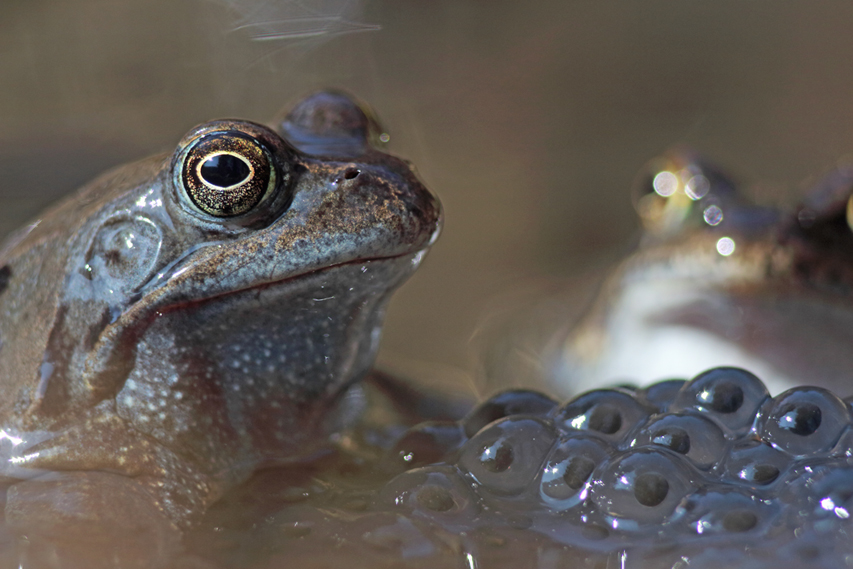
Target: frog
{"type": "Point", "coordinates": [188, 319]}
{"type": "Point", "coordinates": [717, 279]}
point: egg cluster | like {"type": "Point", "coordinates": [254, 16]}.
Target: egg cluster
{"type": "Point", "coordinates": [713, 466]}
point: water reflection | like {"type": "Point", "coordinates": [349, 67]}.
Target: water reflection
{"type": "Point", "coordinates": [697, 187]}
{"type": "Point", "coordinates": [672, 188]}
{"type": "Point", "coordinates": [288, 20]}
{"type": "Point", "coordinates": [665, 184]}
{"type": "Point", "coordinates": [713, 215]}
{"type": "Point", "coordinates": [725, 246]}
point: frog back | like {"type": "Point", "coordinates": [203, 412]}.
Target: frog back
{"type": "Point", "coordinates": [43, 330]}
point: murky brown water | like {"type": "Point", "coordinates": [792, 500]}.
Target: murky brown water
{"type": "Point", "coordinates": [529, 121]}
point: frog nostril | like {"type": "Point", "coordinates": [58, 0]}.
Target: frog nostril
{"type": "Point", "coordinates": [351, 173]}
{"type": "Point", "coordinates": [5, 275]}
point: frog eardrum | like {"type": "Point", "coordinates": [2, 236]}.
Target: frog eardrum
{"type": "Point", "coordinates": [227, 174]}
{"type": "Point", "coordinates": [188, 319]}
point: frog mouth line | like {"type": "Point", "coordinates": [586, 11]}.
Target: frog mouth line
{"type": "Point", "coordinates": [414, 258]}
{"type": "Point", "coordinates": [417, 256]}
{"type": "Point", "coordinates": [168, 275]}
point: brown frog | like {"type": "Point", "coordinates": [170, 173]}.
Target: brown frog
{"type": "Point", "coordinates": [186, 320]}
{"type": "Point", "coordinates": [717, 280]}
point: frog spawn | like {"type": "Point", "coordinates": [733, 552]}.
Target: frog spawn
{"type": "Point", "coordinates": [665, 473]}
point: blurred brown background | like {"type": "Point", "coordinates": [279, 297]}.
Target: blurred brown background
{"type": "Point", "coordinates": [530, 120]}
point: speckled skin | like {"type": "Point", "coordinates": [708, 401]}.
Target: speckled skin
{"type": "Point", "coordinates": [779, 305]}
{"type": "Point", "coordinates": [153, 356]}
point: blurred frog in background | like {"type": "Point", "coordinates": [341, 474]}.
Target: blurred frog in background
{"type": "Point", "coordinates": [718, 280]}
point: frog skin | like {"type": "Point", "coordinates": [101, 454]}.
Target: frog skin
{"type": "Point", "coordinates": [188, 319]}
{"type": "Point", "coordinates": [780, 304]}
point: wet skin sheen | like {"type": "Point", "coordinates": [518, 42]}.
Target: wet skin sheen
{"type": "Point", "coordinates": [187, 319]}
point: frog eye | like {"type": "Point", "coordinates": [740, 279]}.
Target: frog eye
{"type": "Point", "coordinates": [226, 174]}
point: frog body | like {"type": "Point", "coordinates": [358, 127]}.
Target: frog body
{"type": "Point", "coordinates": [188, 319]}
{"type": "Point", "coordinates": [717, 280]}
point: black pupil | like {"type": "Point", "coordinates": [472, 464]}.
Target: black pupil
{"type": "Point", "coordinates": [673, 438]}
{"type": "Point", "coordinates": [650, 489]}
{"type": "Point", "coordinates": [224, 170]}
{"type": "Point", "coordinates": [726, 398]}
{"type": "Point", "coordinates": [803, 419]}
{"type": "Point", "coordinates": [605, 419]}
{"type": "Point", "coordinates": [578, 471]}
{"type": "Point", "coordinates": [764, 473]}
{"type": "Point", "coordinates": [739, 521]}
{"type": "Point", "coordinates": [497, 457]}
{"type": "Point", "coordinates": [435, 498]}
